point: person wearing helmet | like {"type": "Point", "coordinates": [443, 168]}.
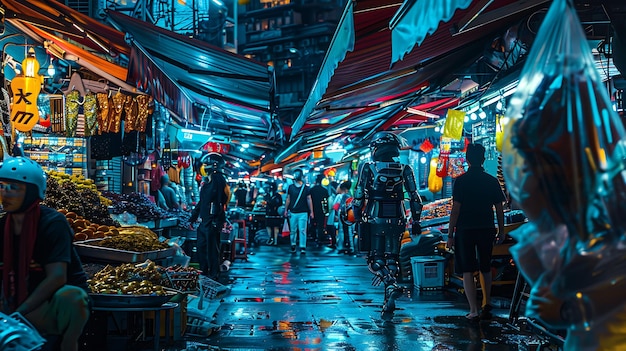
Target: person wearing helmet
{"type": "Point", "coordinates": [379, 208]}
{"type": "Point", "coordinates": [42, 276]}
{"type": "Point", "coordinates": [211, 209]}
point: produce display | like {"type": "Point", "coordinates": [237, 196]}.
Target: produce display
{"type": "Point", "coordinates": [84, 229]}
{"type": "Point", "coordinates": [437, 209]}
{"type": "Point", "coordinates": [78, 195]}
{"type": "Point", "coordinates": [138, 239]}
{"type": "Point", "coordinates": [137, 204]}
{"type": "Point", "coordinates": [128, 279]}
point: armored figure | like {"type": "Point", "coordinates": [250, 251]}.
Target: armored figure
{"type": "Point", "coordinates": [211, 209]}
{"type": "Point", "coordinates": [379, 208]}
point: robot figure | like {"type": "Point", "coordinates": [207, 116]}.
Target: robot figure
{"type": "Point", "coordinates": [214, 197]}
{"type": "Point", "coordinates": [379, 208]}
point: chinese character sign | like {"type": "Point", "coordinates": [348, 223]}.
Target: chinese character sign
{"type": "Point", "coordinates": [24, 112]}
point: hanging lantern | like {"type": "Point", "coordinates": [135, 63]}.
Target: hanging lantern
{"type": "Point", "coordinates": [30, 65]}
{"type": "Point", "coordinates": [26, 88]}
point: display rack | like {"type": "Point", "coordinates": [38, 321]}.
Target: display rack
{"type": "Point", "coordinates": [109, 175]}
{"type": "Point", "coordinates": [67, 155]}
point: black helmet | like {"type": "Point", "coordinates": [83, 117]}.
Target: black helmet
{"type": "Point", "coordinates": [272, 186]}
{"type": "Point", "coordinates": [385, 145]}
{"type": "Point", "coordinates": [213, 161]}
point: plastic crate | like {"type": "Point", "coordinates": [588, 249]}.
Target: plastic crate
{"type": "Point", "coordinates": [184, 281]}
{"type": "Point", "coordinates": [428, 272]}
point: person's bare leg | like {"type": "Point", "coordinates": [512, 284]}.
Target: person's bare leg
{"type": "Point", "coordinates": [485, 283]}
{"type": "Point", "coordinates": [470, 292]}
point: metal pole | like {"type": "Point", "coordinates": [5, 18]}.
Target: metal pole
{"type": "Point", "coordinates": [236, 22]}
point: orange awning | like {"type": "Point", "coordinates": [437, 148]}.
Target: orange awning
{"type": "Point", "coordinates": [108, 70]}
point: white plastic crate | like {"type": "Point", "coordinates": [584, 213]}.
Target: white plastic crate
{"type": "Point", "coordinates": [428, 272]}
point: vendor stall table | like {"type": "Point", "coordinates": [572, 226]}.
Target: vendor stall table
{"type": "Point", "coordinates": [167, 307]}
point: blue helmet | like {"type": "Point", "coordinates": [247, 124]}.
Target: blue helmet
{"type": "Point", "coordinates": [25, 170]}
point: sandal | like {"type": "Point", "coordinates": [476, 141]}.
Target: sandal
{"type": "Point", "coordinates": [471, 318]}
{"type": "Point", "coordinates": [485, 313]}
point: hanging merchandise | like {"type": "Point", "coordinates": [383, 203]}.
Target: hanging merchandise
{"type": "Point", "coordinates": [453, 128]}
{"type": "Point", "coordinates": [130, 113]}
{"type": "Point", "coordinates": [72, 104]}
{"type": "Point", "coordinates": [435, 183]}
{"type": "Point", "coordinates": [456, 165]}
{"type": "Point", "coordinates": [90, 110]}
{"type": "Point", "coordinates": [145, 107]}
{"type": "Point", "coordinates": [564, 159]}
{"type": "Point", "coordinates": [114, 121]}
{"type": "Point", "coordinates": [426, 146]}
{"type": "Point", "coordinates": [499, 131]}
{"type": "Point", "coordinates": [184, 160]}
{"type": "Point", "coordinates": [166, 155]}
{"type": "Point", "coordinates": [104, 103]}
{"type": "Point", "coordinates": [444, 157]}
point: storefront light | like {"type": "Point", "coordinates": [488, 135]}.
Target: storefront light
{"type": "Point", "coordinates": [482, 114]}
{"type": "Point", "coordinates": [473, 116]}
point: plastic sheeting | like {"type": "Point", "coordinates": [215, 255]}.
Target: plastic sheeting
{"type": "Point", "coordinates": [564, 161]}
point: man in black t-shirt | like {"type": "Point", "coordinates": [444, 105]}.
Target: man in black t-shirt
{"type": "Point", "coordinates": [241, 194]}
{"type": "Point", "coordinates": [472, 231]}
{"type": "Point", "coordinates": [319, 198]}
{"type": "Point", "coordinates": [42, 276]}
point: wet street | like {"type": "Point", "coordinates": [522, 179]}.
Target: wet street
{"type": "Point", "coordinates": [324, 300]}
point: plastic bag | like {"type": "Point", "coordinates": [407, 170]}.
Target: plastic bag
{"type": "Point", "coordinates": [564, 162]}
{"type": "Point", "coordinates": [453, 128]}
{"type": "Point", "coordinates": [285, 232]}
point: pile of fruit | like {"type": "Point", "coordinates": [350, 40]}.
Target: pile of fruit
{"type": "Point", "coordinates": [76, 194]}
{"type": "Point", "coordinates": [128, 279]}
{"type": "Point", "coordinates": [136, 203]}
{"type": "Point", "coordinates": [84, 229]}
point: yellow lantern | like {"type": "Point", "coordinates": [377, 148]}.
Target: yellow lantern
{"type": "Point", "coordinates": [24, 111]}
{"type": "Point", "coordinates": [30, 65]}
{"type": "Point", "coordinates": [26, 88]}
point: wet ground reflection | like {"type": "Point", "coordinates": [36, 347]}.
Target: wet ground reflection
{"type": "Point", "coordinates": [324, 301]}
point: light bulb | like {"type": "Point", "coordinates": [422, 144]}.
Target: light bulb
{"type": "Point", "coordinates": [473, 116]}
{"type": "Point", "coordinates": [423, 160]}
{"type": "Point", "coordinates": [482, 114]}
{"type": "Point", "coordinates": [51, 70]}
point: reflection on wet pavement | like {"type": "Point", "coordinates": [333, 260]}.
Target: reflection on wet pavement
{"type": "Point", "coordinates": [325, 301]}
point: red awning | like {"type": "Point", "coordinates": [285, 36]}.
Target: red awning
{"type": "Point", "coordinates": [363, 76]}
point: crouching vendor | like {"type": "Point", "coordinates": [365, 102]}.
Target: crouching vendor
{"type": "Point", "coordinates": [42, 276]}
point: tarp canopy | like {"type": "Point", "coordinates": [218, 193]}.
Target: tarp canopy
{"type": "Point", "coordinates": [361, 90]}
{"type": "Point", "coordinates": [206, 87]}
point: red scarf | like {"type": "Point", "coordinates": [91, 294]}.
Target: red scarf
{"type": "Point", "coordinates": [16, 290]}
